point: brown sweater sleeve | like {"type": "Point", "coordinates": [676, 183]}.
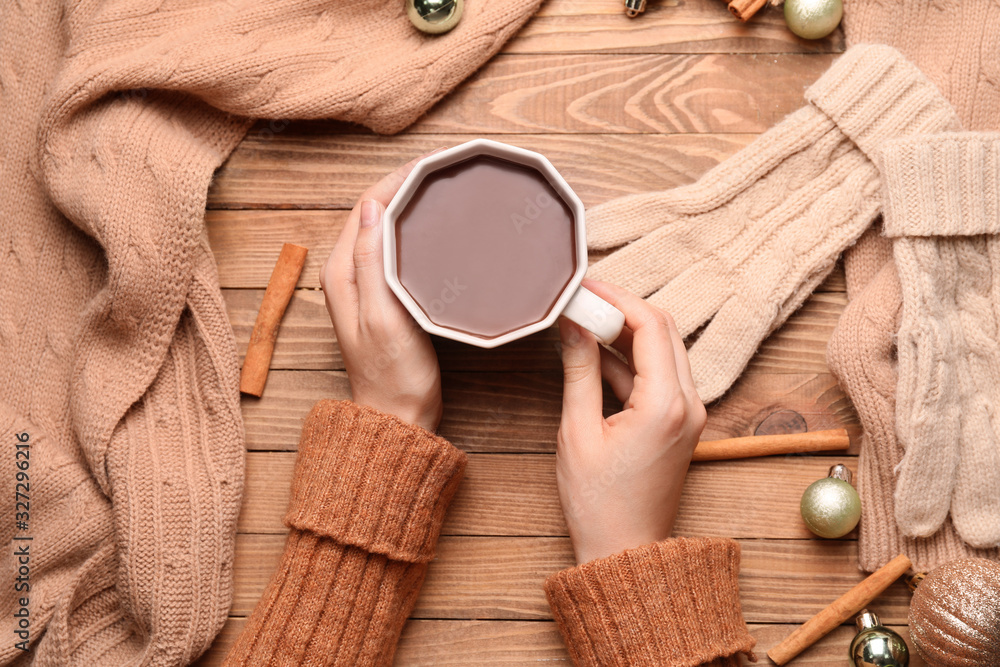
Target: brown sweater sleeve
{"type": "Point", "coordinates": [368, 498]}
{"type": "Point", "coordinates": [674, 602]}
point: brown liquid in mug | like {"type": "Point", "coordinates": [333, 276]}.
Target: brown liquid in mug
{"type": "Point", "coordinates": [485, 246]}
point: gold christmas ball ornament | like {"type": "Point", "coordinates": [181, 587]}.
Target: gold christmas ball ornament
{"type": "Point", "coordinates": [955, 614]}
{"type": "Point", "coordinates": [876, 645]}
{"type": "Point", "coordinates": [830, 506]}
{"type": "Point", "coordinates": [813, 19]}
{"type": "Point", "coordinates": [435, 16]}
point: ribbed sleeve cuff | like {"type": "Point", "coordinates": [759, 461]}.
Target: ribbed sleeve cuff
{"type": "Point", "coordinates": [942, 184]}
{"type": "Point", "coordinates": [368, 479]}
{"type": "Point", "coordinates": [674, 602]}
{"type": "Point", "coordinates": [873, 93]}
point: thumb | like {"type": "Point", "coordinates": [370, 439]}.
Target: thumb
{"type": "Point", "coordinates": [583, 399]}
{"type": "Point", "coordinates": [373, 290]}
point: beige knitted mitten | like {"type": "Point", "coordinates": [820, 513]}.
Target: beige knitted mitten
{"type": "Point", "coordinates": [743, 247]}
{"type": "Point", "coordinates": [862, 356]}
{"type": "Point", "coordinates": [943, 209]}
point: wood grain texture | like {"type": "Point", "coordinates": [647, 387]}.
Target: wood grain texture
{"type": "Point", "coordinates": [307, 340]}
{"type": "Point", "coordinates": [308, 167]}
{"type": "Point", "coordinates": [433, 643]}
{"type": "Point", "coordinates": [781, 581]}
{"type": "Point", "coordinates": [519, 412]}
{"type": "Point", "coordinates": [667, 26]}
{"type": "Point", "coordinates": [516, 495]}
{"type": "Point", "coordinates": [621, 94]}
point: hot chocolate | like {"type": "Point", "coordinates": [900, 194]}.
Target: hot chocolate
{"type": "Point", "coordinates": [485, 246]}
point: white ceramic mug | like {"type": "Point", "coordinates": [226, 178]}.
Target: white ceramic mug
{"type": "Point", "coordinates": [575, 302]}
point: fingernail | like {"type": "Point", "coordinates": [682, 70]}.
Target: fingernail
{"type": "Point", "coordinates": [438, 150]}
{"type": "Point", "coordinates": [571, 334]}
{"type": "Point", "coordinates": [371, 212]}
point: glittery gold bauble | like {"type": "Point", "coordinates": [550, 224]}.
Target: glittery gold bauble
{"type": "Point", "coordinates": [955, 614]}
{"type": "Point", "coordinates": [831, 507]}
{"type": "Point", "coordinates": [813, 19]}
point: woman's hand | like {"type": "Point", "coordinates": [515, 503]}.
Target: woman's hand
{"type": "Point", "coordinates": [390, 362]}
{"type": "Point", "coordinates": [620, 478]}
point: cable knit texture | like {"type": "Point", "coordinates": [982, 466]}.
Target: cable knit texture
{"type": "Point", "coordinates": [116, 354]}
{"type": "Point", "coordinates": [957, 45]}
{"type": "Point", "coordinates": [674, 602]}
{"type": "Point", "coordinates": [942, 211]}
{"type": "Point", "coordinates": [368, 500]}
{"type": "Point", "coordinates": [862, 354]}
{"type": "Point", "coordinates": [742, 248]}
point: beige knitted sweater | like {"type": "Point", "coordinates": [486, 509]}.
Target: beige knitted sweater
{"type": "Point", "coordinates": [118, 370]}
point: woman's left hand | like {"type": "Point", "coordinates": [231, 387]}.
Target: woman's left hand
{"type": "Point", "coordinates": [390, 361]}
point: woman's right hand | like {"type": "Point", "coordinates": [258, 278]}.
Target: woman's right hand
{"type": "Point", "coordinates": [620, 478]}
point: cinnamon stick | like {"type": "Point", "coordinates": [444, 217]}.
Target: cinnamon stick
{"type": "Point", "coordinates": [744, 9]}
{"type": "Point", "coordinates": [769, 445]}
{"type": "Point", "coordinates": [272, 308]}
{"type": "Point", "coordinates": [839, 611]}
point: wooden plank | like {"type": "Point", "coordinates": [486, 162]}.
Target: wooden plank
{"type": "Point", "coordinates": [459, 643]}
{"type": "Point", "coordinates": [324, 170]}
{"type": "Point", "coordinates": [781, 581]}
{"type": "Point", "coordinates": [430, 643]}
{"type": "Point", "coordinates": [667, 26]}
{"type": "Point", "coordinates": [800, 344]}
{"type": "Point", "coordinates": [306, 339]}
{"type": "Point", "coordinates": [519, 412]}
{"type": "Point", "coordinates": [516, 495]}
{"type": "Point", "coordinates": [246, 244]}
{"type": "Point", "coordinates": [603, 94]}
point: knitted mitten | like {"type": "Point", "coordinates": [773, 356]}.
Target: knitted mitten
{"type": "Point", "coordinates": [965, 72]}
{"type": "Point", "coordinates": [862, 355]}
{"type": "Point", "coordinates": [743, 247]}
{"type": "Point", "coordinates": [943, 209]}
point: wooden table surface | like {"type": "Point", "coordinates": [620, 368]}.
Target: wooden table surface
{"type": "Point", "coordinates": [619, 106]}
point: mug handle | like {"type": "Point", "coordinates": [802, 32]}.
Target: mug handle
{"type": "Point", "coordinates": [595, 315]}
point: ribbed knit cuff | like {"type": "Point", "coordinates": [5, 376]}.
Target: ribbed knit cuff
{"type": "Point", "coordinates": [368, 479]}
{"type": "Point", "coordinates": [873, 93]}
{"type": "Point", "coordinates": [942, 184]}
{"type": "Point", "coordinates": [674, 602]}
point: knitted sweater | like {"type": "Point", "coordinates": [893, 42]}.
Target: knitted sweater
{"type": "Point", "coordinates": [117, 361]}
{"type": "Point", "coordinates": [368, 499]}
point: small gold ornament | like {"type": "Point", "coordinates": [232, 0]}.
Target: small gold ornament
{"type": "Point", "coordinates": [634, 7]}
{"type": "Point", "coordinates": [876, 645]}
{"type": "Point", "coordinates": [830, 506]}
{"type": "Point", "coordinates": [813, 19]}
{"type": "Point", "coordinates": [434, 16]}
{"type": "Point", "coordinates": [955, 614]}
